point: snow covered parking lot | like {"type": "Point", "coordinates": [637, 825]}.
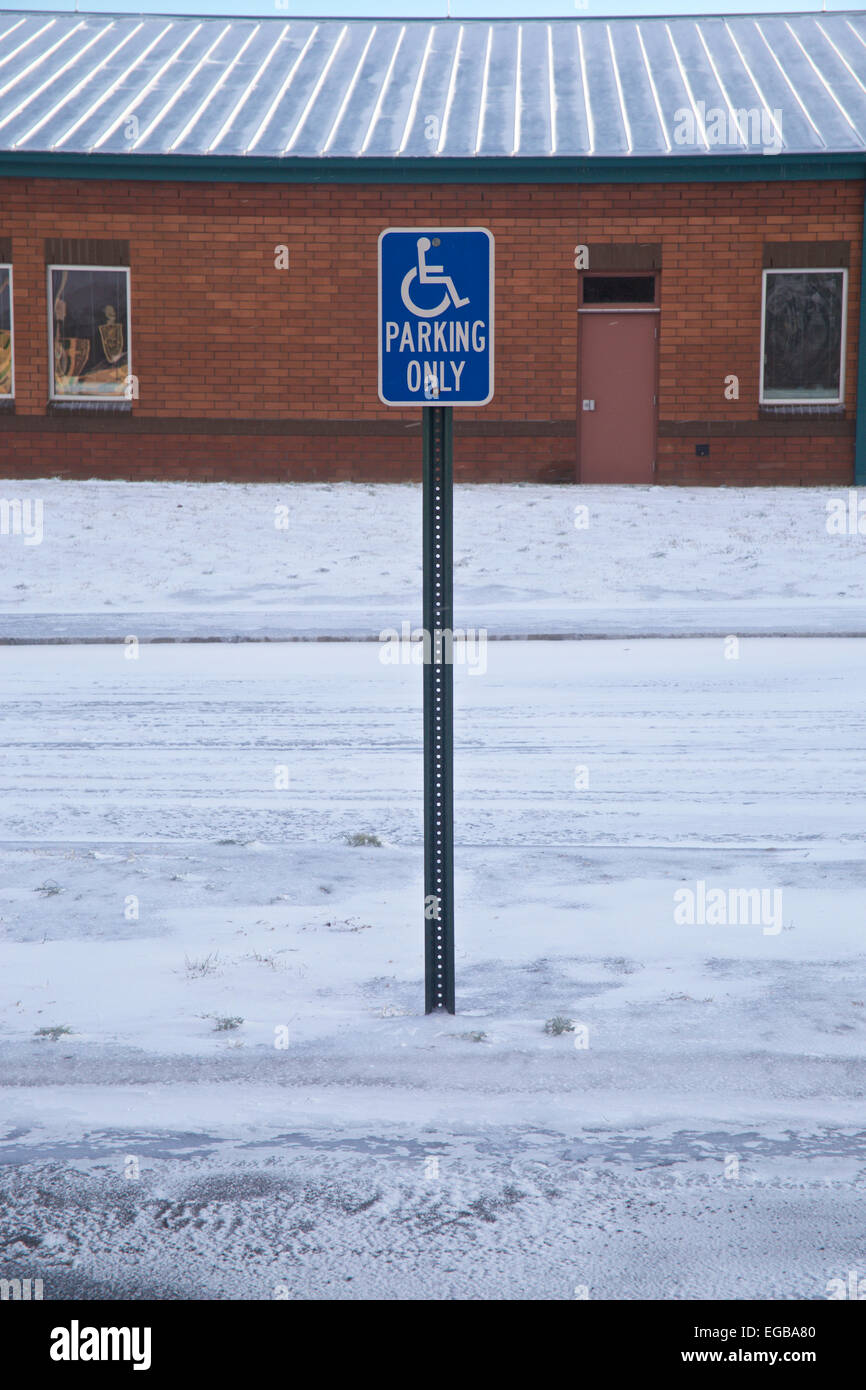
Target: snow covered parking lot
{"type": "Point", "coordinates": [706, 1141]}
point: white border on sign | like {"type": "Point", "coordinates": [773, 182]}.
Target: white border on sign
{"type": "Point", "coordinates": [456, 405]}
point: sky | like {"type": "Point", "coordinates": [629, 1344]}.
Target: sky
{"type": "Point", "coordinates": [420, 9]}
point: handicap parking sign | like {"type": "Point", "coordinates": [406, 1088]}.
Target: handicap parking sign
{"type": "Point", "coordinates": [435, 316]}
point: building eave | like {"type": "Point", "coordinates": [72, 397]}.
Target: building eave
{"type": "Point", "coordinates": [551, 169]}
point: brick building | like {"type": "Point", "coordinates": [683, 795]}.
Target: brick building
{"type": "Point", "coordinates": [189, 214]}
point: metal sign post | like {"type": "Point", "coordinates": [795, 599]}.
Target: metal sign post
{"type": "Point", "coordinates": [436, 351]}
{"type": "Point", "coordinates": [438, 712]}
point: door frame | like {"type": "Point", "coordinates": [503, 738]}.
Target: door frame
{"type": "Point", "coordinates": [654, 308]}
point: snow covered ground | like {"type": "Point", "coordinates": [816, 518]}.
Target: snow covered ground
{"type": "Point", "coordinates": [699, 1135]}
{"type": "Point", "coordinates": [344, 559]}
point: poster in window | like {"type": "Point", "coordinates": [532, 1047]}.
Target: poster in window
{"type": "Point", "coordinates": [803, 335]}
{"type": "Point", "coordinates": [5, 331]}
{"type": "Point", "coordinates": [90, 331]}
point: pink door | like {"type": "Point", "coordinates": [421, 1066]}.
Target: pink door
{"type": "Point", "coordinates": [616, 406]}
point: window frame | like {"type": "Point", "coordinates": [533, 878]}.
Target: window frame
{"type": "Point", "coordinates": [620, 306]}
{"type": "Point", "coordinates": [7, 265]}
{"type": "Point", "coordinates": [782, 401]}
{"type": "Point", "coordinates": [88, 397]}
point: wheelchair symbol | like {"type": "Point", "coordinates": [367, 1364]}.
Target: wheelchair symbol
{"type": "Point", "coordinates": [429, 275]}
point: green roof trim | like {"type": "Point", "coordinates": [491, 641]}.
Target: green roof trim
{"type": "Point", "coordinates": [248, 169]}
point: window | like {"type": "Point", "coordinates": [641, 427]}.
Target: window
{"type": "Point", "coordinates": [803, 336]}
{"type": "Point", "coordinates": [7, 366]}
{"type": "Point", "coordinates": [619, 289]}
{"type": "Point", "coordinates": [89, 319]}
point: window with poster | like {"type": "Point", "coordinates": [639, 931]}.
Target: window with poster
{"type": "Point", "coordinates": [803, 336]}
{"type": "Point", "coordinates": [89, 323]}
{"type": "Point", "coordinates": [7, 363]}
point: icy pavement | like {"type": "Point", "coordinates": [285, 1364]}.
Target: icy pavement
{"type": "Point", "coordinates": [514, 622]}
{"type": "Point", "coordinates": [513, 1213]}
{"type": "Point", "coordinates": [681, 744]}
{"type": "Point", "coordinates": [176, 856]}
{"type": "Point", "coordinates": [169, 560]}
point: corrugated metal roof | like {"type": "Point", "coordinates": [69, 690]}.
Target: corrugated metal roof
{"type": "Point", "coordinates": [282, 89]}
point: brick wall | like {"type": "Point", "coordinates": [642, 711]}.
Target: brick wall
{"type": "Point", "coordinates": [234, 356]}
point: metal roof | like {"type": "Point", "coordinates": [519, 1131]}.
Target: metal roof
{"type": "Point", "coordinates": [277, 89]}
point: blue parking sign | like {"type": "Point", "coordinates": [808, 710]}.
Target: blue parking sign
{"type": "Point", "coordinates": [435, 316]}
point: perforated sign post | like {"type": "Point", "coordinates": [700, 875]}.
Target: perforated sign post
{"type": "Point", "coordinates": [436, 351]}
